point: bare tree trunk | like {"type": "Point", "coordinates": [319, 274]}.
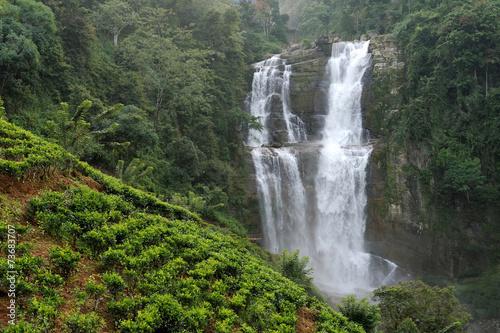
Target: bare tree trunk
{"type": "Point", "coordinates": [159, 100]}
{"type": "Point", "coordinates": [475, 76]}
{"type": "Point", "coordinates": [486, 79]}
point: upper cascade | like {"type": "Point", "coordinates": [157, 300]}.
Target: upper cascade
{"type": "Point", "coordinates": [345, 71]}
{"type": "Point", "coordinates": [270, 101]}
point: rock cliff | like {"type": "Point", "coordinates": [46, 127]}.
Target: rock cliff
{"type": "Point", "coordinates": [404, 224]}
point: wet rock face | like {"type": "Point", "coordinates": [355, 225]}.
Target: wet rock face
{"type": "Point", "coordinates": [308, 88]}
{"type": "Point", "coordinates": [385, 54]}
{"type": "Point", "coordinates": [400, 214]}
{"type": "Point", "coordinates": [276, 121]}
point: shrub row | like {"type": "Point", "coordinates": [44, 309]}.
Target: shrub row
{"type": "Point", "coordinates": [171, 274]}
{"type": "Point", "coordinates": [26, 156]}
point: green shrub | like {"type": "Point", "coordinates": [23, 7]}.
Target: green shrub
{"type": "Point", "coordinates": [22, 327]}
{"type": "Point", "coordinates": [290, 266]}
{"type": "Point", "coordinates": [95, 290]}
{"type": "Point", "coordinates": [83, 323]}
{"type": "Point", "coordinates": [407, 326]}
{"type": "Point", "coordinates": [64, 261]}
{"type": "Point", "coordinates": [362, 312]}
{"type": "Point", "coordinates": [125, 308]}
{"type": "Point", "coordinates": [431, 309]}
{"type": "Point", "coordinates": [113, 282]}
{"type": "Point", "coordinates": [49, 280]}
{"type": "Point", "coordinates": [44, 312]}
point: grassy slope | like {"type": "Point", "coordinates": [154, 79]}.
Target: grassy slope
{"type": "Point", "coordinates": [145, 265]}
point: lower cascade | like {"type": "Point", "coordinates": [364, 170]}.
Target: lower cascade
{"type": "Point", "coordinates": [321, 209]}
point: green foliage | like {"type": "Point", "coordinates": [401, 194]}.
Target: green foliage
{"type": "Point", "coordinates": [23, 327]}
{"type": "Point", "coordinates": [94, 290]}
{"type": "Point", "coordinates": [431, 309]}
{"type": "Point", "coordinates": [25, 156]}
{"type": "Point", "coordinates": [362, 312]}
{"type": "Point", "coordinates": [83, 323]}
{"type": "Point", "coordinates": [192, 202]}
{"type": "Point", "coordinates": [2, 110]}
{"type": "Point", "coordinates": [74, 133]}
{"type": "Point", "coordinates": [113, 16]}
{"type": "Point", "coordinates": [113, 282]}
{"type": "Point", "coordinates": [31, 54]}
{"type": "Point", "coordinates": [64, 261]}
{"type": "Point", "coordinates": [407, 326]}
{"type": "Point", "coordinates": [134, 127]}
{"type": "Point", "coordinates": [464, 176]}
{"type": "Point", "coordinates": [135, 171]}
{"type": "Point", "coordinates": [190, 277]}
{"type": "Point", "coordinates": [45, 312]}
{"type": "Point", "coordinates": [182, 63]}
{"type": "Point", "coordinates": [291, 266]}
{"type": "Point", "coordinates": [482, 291]}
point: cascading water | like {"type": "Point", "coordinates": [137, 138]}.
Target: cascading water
{"type": "Point", "coordinates": [272, 78]}
{"type": "Point", "coordinates": [342, 264]}
{"type": "Point", "coordinates": [328, 223]}
{"type": "Point", "coordinates": [282, 198]}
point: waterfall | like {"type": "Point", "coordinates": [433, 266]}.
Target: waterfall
{"type": "Point", "coordinates": [272, 78]}
{"type": "Point", "coordinates": [326, 223]}
{"type": "Point", "coordinates": [283, 198]}
{"type": "Point", "coordinates": [341, 179]}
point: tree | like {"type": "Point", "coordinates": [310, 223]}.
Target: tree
{"type": "Point", "coordinates": [173, 68]}
{"type": "Point", "coordinates": [407, 326]}
{"type": "Point", "coordinates": [136, 128]}
{"type": "Point", "coordinates": [431, 309]}
{"type": "Point", "coordinates": [362, 312]}
{"type": "Point", "coordinates": [113, 16]}
{"type": "Point", "coordinates": [293, 268]}
{"type": "Point", "coordinates": [74, 133]}
{"type": "Point", "coordinates": [469, 41]}
{"type": "Point", "coordinates": [30, 52]}
{"type": "Point", "coordinates": [316, 18]}
{"type": "Point", "coordinates": [463, 176]}
{"type": "Point", "coordinates": [263, 15]}
{"type": "Point", "coordinates": [135, 171]}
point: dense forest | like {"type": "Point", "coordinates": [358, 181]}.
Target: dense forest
{"type": "Point", "coordinates": [175, 71]}
{"type": "Point", "coordinates": [152, 92]}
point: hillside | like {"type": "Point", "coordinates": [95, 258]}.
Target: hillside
{"type": "Point", "coordinates": [92, 252]}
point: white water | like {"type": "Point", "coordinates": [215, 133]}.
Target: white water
{"type": "Point", "coordinates": [272, 77]}
{"type": "Point", "coordinates": [329, 225]}
{"type": "Point", "coordinates": [340, 260]}
{"type": "Point", "coordinates": [341, 179]}
{"type": "Point", "coordinates": [282, 198]}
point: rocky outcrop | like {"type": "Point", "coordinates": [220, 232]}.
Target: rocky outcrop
{"type": "Point", "coordinates": [399, 223]}
{"type": "Point", "coordinates": [381, 86]}
{"type": "Point", "coordinates": [276, 121]}
{"type": "Point", "coordinates": [386, 56]}
{"type": "Point", "coordinates": [308, 89]}
{"type": "Point", "coordinates": [404, 224]}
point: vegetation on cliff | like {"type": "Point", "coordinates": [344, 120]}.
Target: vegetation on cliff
{"type": "Point", "coordinates": [445, 102]}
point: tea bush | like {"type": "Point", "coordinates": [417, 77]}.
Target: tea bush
{"type": "Point", "coordinates": [162, 267]}
{"type": "Point", "coordinates": [173, 273]}
{"type": "Point", "coordinates": [64, 261]}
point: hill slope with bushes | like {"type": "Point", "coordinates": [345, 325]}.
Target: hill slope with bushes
{"type": "Point", "coordinates": [94, 254]}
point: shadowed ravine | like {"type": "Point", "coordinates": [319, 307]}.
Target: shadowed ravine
{"type": "Point", "coordinates": [312, 195]}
